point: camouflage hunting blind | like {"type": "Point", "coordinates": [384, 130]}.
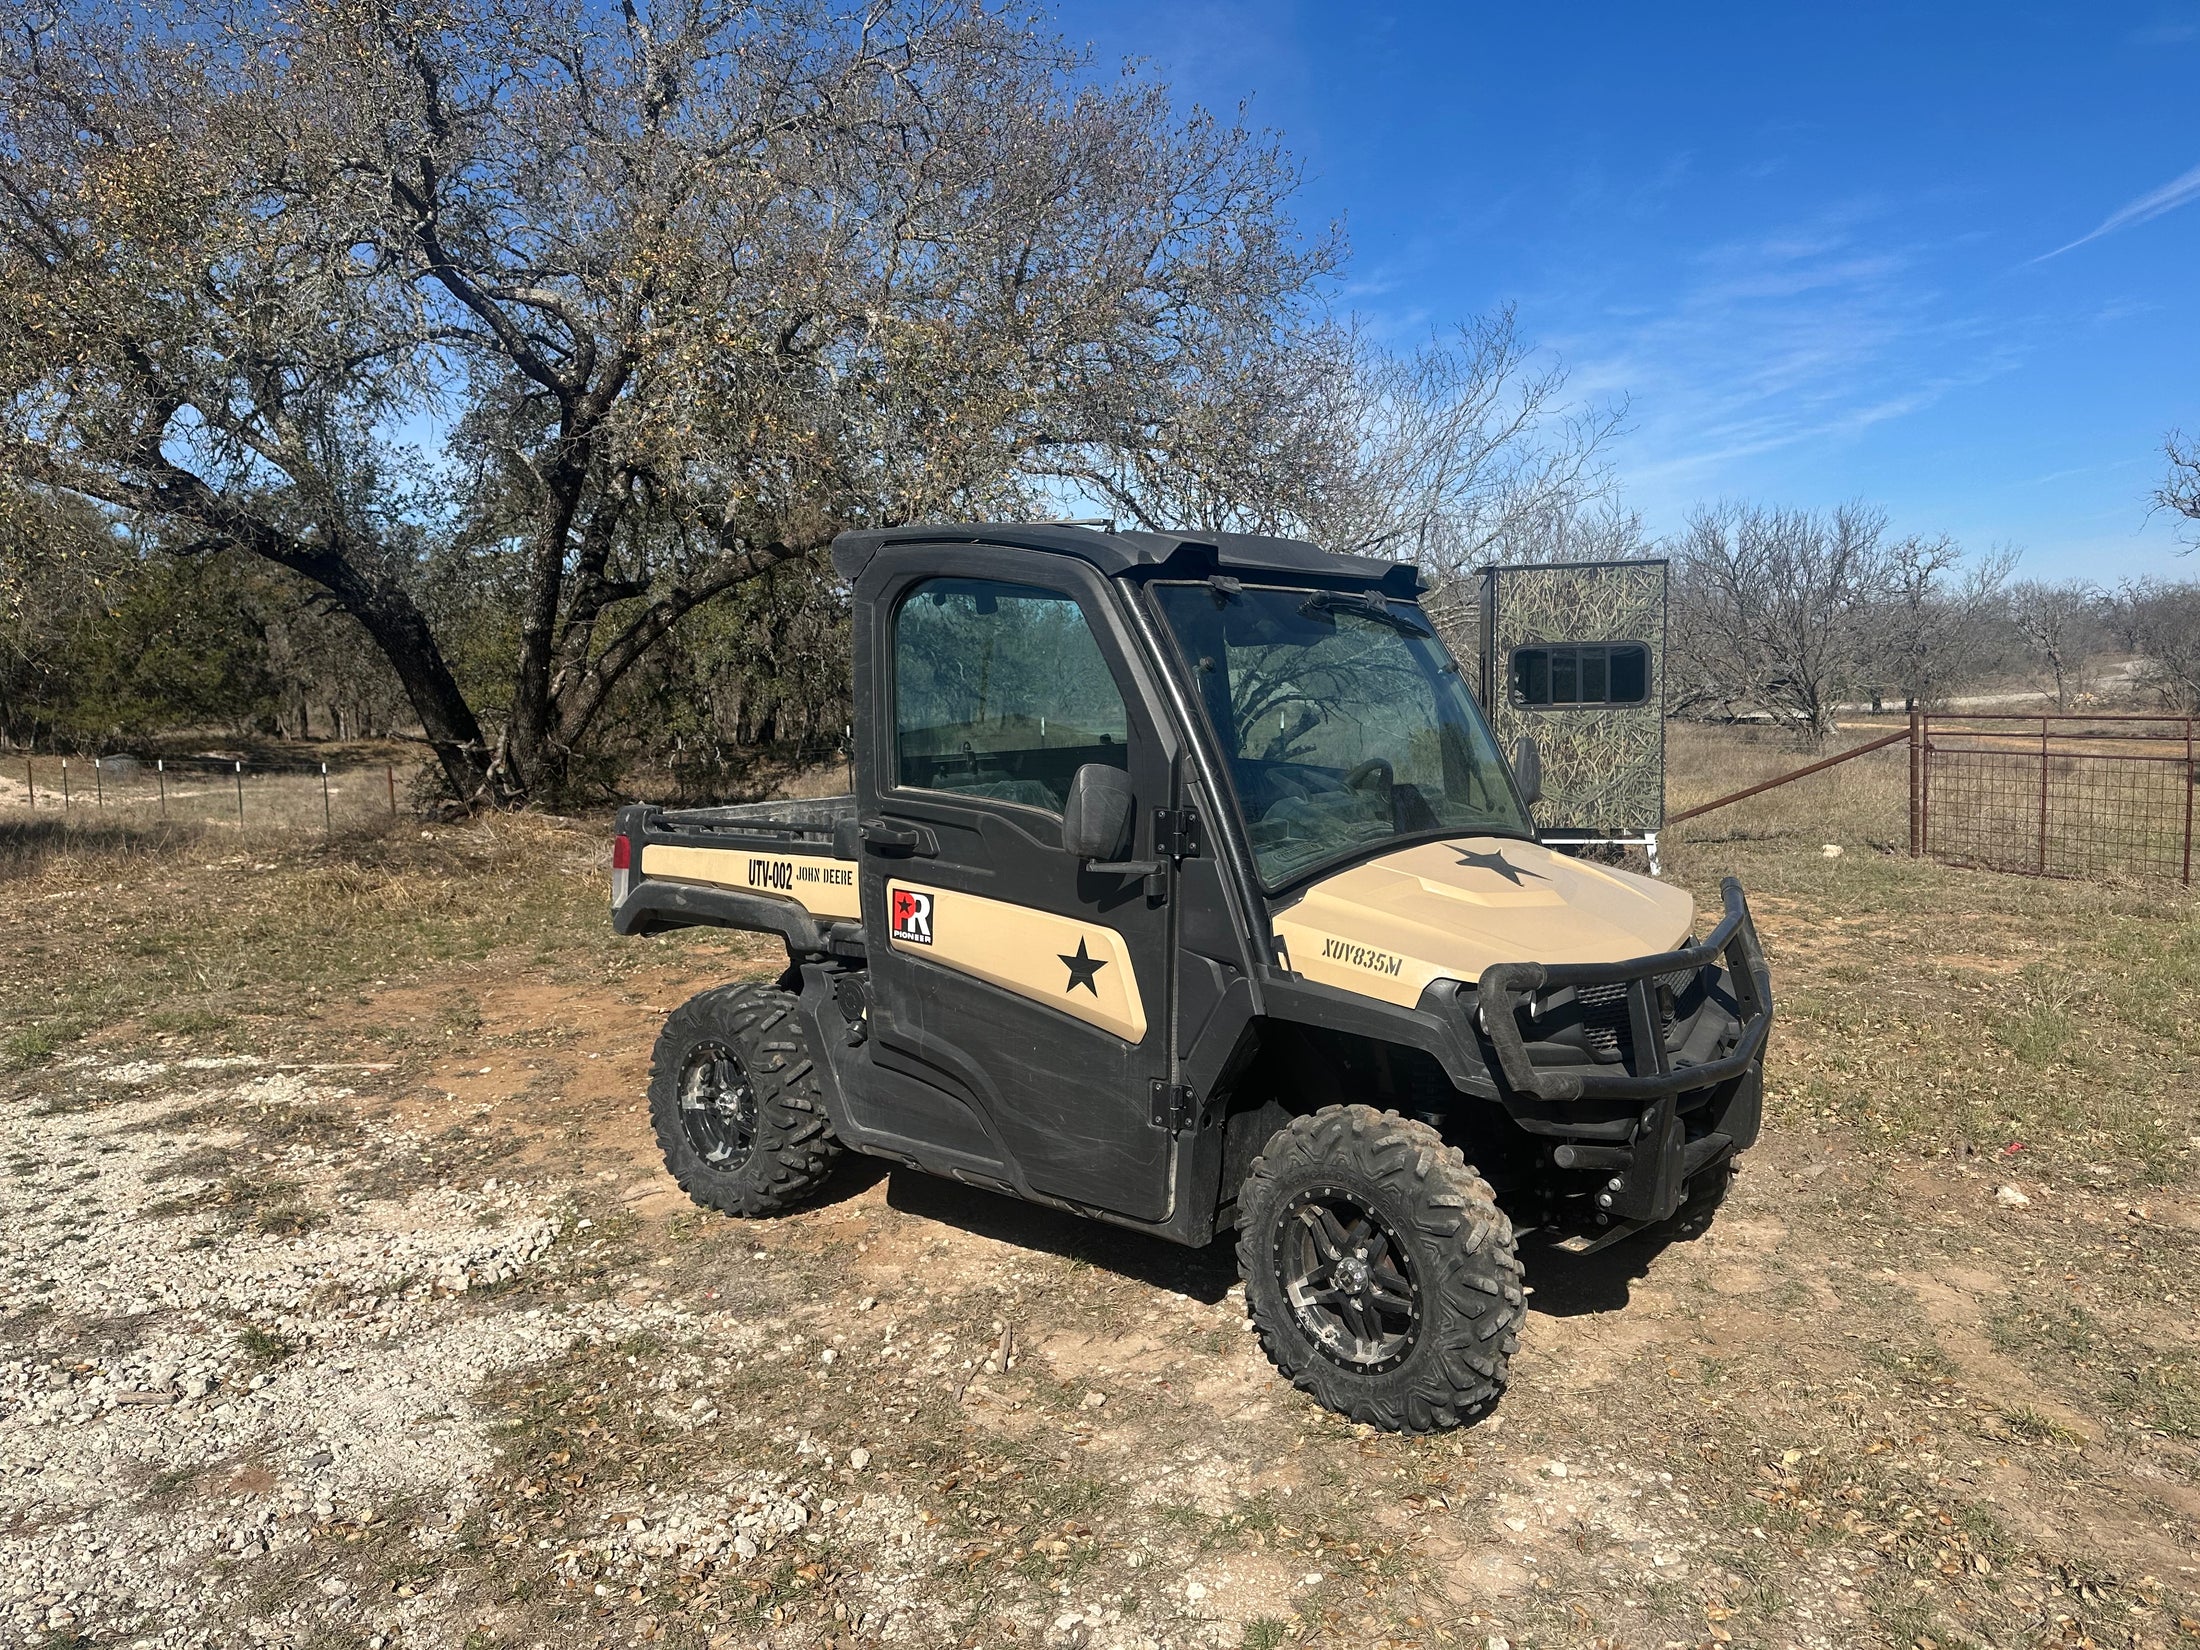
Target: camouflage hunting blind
{"type": "Point", "coordinates": [1573, 655]}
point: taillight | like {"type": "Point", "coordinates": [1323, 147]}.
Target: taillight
{"type": "Point", "coordinates": [622, 867]}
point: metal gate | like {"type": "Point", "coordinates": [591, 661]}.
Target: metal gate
{"type": "Point", "coordinates": [2056, 796]}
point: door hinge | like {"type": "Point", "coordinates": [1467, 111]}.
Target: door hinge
{"type": "Point", "coordinates": [1176, 833]}
{"type": "Point", "coordinates": [1173, 1105]}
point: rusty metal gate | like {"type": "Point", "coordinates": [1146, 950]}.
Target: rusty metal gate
{"type": "Point", "coordinates": [2056, 795]}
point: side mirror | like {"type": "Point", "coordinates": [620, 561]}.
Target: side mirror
{"type": "Point", "coordinates": [1096, 819]}
{"type": "Point", "coordinates": [1528, 770]}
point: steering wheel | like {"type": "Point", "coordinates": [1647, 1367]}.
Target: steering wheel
{"type": "Point", "coordinates": [1377, 766]}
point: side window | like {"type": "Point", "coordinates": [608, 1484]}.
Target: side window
{"type": "Point", "coordinates": [1001, 692]}
{"type": "Point", "coordinates": [1587, 673]}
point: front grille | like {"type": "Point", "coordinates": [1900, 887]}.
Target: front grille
{"type": "Point", "coordinates": [1604, 1019]}
{"type": "Point", "coordinates": [1607, 1027]}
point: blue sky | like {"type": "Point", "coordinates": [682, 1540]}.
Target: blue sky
{"type": "Point", "coordinates": [1945, 258]}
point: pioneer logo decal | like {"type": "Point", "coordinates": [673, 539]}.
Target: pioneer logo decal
{"type": "Point", "coordinates": [1360, 956]}
{"type": "Point", "coordinates": [912, 916]}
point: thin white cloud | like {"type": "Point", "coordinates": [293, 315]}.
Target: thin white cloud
{"type": "Point", "coordinates": [1797, 340]}
{"type": "Point", "coordinates": [2173, 194]}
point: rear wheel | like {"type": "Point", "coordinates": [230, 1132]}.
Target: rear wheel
{"type": "Point", "coordinates": [734, 1099]}
{"type": "Point", "coordinates": [1379, 1270]}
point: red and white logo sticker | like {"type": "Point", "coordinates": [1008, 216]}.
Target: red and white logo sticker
{"type": "Point", "coordinates": [912, 916]}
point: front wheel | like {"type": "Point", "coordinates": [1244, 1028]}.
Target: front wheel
{"type": "Point", "coordinates": [733, 1096]}
{"type": "Point", "coordinates": [1379, 1270]}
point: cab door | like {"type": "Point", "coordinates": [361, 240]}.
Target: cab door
{"type": "Point", "coordinates": [1020, 999]}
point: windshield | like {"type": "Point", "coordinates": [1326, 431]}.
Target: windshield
{"type": "Point", "coordinates": [1343, 719]}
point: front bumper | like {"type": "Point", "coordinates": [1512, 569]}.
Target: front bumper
{"type": "Point", "coordinates": [1674, 1090]}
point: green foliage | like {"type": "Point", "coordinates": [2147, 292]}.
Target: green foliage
{"type": "Point", "coordinates": [181, 646]}
{"type": "Point", "coordinates": [762, 669]}
{"type": "Point", "coordinates": [106, 638]}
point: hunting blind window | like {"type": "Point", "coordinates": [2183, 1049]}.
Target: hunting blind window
{"type": "Point", "coordinates": [1591, 673]}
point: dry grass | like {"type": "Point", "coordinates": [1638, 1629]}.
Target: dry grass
{"type": "Point", "coordinates": [263, 791]}
{"type": "Point", "coordinates": [1860, 803]}
{"type": "Point", "coordinates": [174, 932]}
{"type": "Point", "coordinates": [1945, 1010]}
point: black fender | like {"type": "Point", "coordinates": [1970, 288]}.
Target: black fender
{"type": "Point", "coordinates": [653, 907]}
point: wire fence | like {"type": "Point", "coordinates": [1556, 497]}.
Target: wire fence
{"type": "Point", "coordinates": [218, 793]}
{"type": "Point", "coordinates": [2058, 795]}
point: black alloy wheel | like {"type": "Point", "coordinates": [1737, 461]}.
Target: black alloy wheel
{"type": "Point", "coordinates": [717, 1107]}
{"type": "Point", "coordinates": [1379, 1270]}
{"type": "Point", "coordinates": [735, 1103]}
{"type": "Point", "coordinates": [1349, 1280]}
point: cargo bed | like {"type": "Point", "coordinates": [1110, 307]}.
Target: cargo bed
{"type": "Point", "coordinates": [770, 867]}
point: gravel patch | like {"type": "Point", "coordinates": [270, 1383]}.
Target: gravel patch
{"type": "Point", "coordinates": [182, 1391]}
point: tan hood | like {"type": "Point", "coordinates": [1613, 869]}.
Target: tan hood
{"type": "Point", "coordinates": [1447, 910]}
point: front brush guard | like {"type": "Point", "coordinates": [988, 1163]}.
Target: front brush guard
{"type": "Point", "coordinates": [1659, 1158]}
{"type": "Point", "coordinates": [1734, 941]}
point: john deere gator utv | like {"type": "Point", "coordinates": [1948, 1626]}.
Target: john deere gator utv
{"type": "Point", "coordinates": [1184, 886]}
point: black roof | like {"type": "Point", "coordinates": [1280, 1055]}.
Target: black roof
{"type": "Point", "coordinates": [1172, 555]}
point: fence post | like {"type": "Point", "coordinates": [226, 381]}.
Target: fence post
{"type": "Point", "coordinates": [240, 801]}
{"type": "Point", "coordinates": [2043, 796]}
{"type": "Point", "coordinates": [328, 829]}
{"type": "Point", "coordinates": [1917, 789]}
{"type": "Point", "coordinates": [2192, 783]}
{"type": "Point", "coordinates": [389, 772]}
{"type": "Point", "coordinates": [30, 778]}
{"type": "Point", "coordinates": [64, 784]}
{"type": "Point", "coordinates": [160, 778]}
{"type": "Point", "coordinates": [99, 786]}
{"type": "Point", "coordinates": [1925, 784]}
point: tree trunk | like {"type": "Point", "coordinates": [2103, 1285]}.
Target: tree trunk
{"type": "Point", "coordinates": [525, 760]}
{"type": "Point", "coordinates": [531, 760]}
{"type": "Point", "coordinates": [400, 630]}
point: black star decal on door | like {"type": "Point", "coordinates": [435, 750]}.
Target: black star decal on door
{"type": "Point", "coordinates": [1082, 969]}
{"type": "Point", "coordinates": [1499, 864]}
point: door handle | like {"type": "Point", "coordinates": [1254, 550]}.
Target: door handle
{"type": "Point", "coordinates": [888, 837]}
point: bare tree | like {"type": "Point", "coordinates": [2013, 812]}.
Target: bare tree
{"type": "Point", "coordinates": [1772, 609]}
{"type": "Point", "coordinates": [2120, 609]}
{"type": "Point", "coordinates": [1586, 525]}
{"type": "Point", "coordinates": [1440, 455]}
{"type": "Point", "coordinates": [682, 289]}
{"type": "Point", "coordinates": [2062, 629]}
{"type": "Point", "coordinates": [2179, 492]}
{"type": "Point", "coordinates": [2166, 634]}
{"type": "Point", "coordinates": [1933, 627]}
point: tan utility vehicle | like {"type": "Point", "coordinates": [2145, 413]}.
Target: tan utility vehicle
{"type": "Point", "coordinates": [1184, 886]}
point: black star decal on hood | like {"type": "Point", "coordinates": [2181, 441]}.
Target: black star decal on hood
{"type": "Point", "coordinates": [1499, 864]}
{"type": "Point", "coordinates": [1082, 969]}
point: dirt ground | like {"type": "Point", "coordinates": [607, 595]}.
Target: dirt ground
{"type": "Point", "coordinates": [345, 1303]}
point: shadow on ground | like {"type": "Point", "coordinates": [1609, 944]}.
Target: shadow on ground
{"type": "Point", "coordinates": [1566, 1285]}
{"type": "Point", "coordinates": [1572, 1286]}
{"type": "Point", "coordinates": [1203, 1274]}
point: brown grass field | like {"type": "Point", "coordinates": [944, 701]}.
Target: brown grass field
{"type": "Point", "coordinates": [345, 1302]}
